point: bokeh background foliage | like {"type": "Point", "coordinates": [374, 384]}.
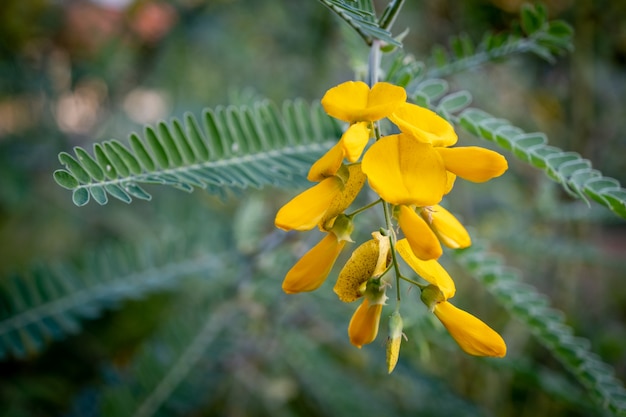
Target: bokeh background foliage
{"type": "Point", "coordinates": [173, 306]}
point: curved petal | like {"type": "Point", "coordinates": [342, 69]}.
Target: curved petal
{"type": "Point", "coordinates": [472, 335]}
{"type": "Point", "coordinates": [383, 100]}
{"type": "Point", "coordinates": [423, 241]}
{"type": "Point", "coordinates": [312, 269]}
{"type": "Point", "coordinates": [447, 228]}
{"type": "Point", "coordinates": [404, 171]}
{"type": "Point", "coordinates": [346, 101]}
{"type": "Point", "coordinates": [357, 271]}
{"type": "Point", "coordinates": [424, 124]}
{"type": "Point", "coordinates": [431, 270]}
{"type": "Point", "coordinates": [343, 199]}
{"type": "Point", "coordinates": [306, 209]}
{"type": "Point", "coordinates": [363, 327]}
{"type": "Point", "coordinates": [473, 163]}
{"type": "Point", "coordinates": [327, 165]}
{"type": "Point", "coordinates": [354, 140]}
{"type": "Point", "coordinates": [353, 101]}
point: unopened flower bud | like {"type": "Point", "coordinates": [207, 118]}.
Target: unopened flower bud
{"type": "Point", "coordinates": [394, 340]}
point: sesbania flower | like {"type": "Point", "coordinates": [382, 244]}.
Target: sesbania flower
{"type": "Point", "coordinates": [322, 202]}
{"type": "Point", "coordinates": [471, 334]}
{"type": "Point", "coordinates": [312, 269]}
{"type": "Point", "coordinates": [410, 172]}
{"type": "Point", "coordinates": [360, 278]}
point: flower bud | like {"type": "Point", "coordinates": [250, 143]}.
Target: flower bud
{"type": "Point", "coordinates": [394, 340]}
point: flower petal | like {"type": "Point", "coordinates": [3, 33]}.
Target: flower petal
{"type": "Point", "coordinates": [327, 165]}
{"type": "Point", "coordinates": [472, 335]}
{"type": "Point", "coordinates": [431, 270]}
{"type": "Point", "coordinates": [421, 238]}
{"type": "Point", "coordinates": [312, 269]}
{"type": "Point", "coordinates": [424, 124]}
{"type": "Point", "coordinates": [345, 197]}
{"type": "Point", "coordinates": [353, 101]}
{"type": "Point", "coordinates": [306, 209]}
{"type": "Point", "coordinates": [354, 140]}
{"type": "Point", "coordinates": [363, 327]}
{"type": "Point", "coordinates": [473, 163]}
{"type": "Point", "coordinates": [357, 271]}
{"type": "Point", "coordinates": [447, 228]}
{"type": "Point", "coordinates": [383, 100]}
{"type": "Point", "coordinates": [404, 171]}
{"type": "Point", "coordinates": [347, 101]}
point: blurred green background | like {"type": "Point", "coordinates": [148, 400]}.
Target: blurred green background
{"type": "Point", "coordinates": [77, 72]}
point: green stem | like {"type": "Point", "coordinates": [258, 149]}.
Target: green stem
{"type": "Point", "coordinates": [361, 209]}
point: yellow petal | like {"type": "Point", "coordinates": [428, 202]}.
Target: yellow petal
{"type": "Point", "coordinates": [383, 100]}
{"type": "Point", "coordinates": [363, 327]}
{"type": "Point", "coordinates": [357, 271]}
{"type": "Point", "coordinates": [431, 270]}
{"type": "Point", "coordinates": [353, 101]}
{"type": "Point", "coordinates": [473, 163]}
{"type": "Point", "coordinates": [384, 253]}
{"type": "Point", "coordinates": [472, 335]}
{"type": "Point", "coordinates": [447, 228]}
{"type": "Point", "coordinates": [423, 241]}
{"type": "Point", "coordinates": [305, 210]}
{"type": "Point", "coordinates": [404, 171]}
{"type": "Point", "coordinates": [347, 101]}
{"type": "Point", "coordinates": [327, 165]}
{"type": "Point", "coordinates": [354, 140]}
{"type": "Point", "coordinates": [312, 269]}
{"type": "Point", "coordinates": [343, 199]}
{"type": "Point", "coordinates": [450, 179]}
{"type": "Point", "coordinates": [425, 125]}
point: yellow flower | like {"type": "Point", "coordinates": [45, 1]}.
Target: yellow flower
{"type": "Point", "coordinates": [368, 260]}
{"type": "Point", "coordinates": [306, 210]}
{"type": "Point", "coordinates": [320, 204]}
{"type": "Point", "coordinates": [470, 333]}
{"type": "Point", "coordinates": [353, 101]}
{"type": "Point", "coordinates": [429, 270]}
{"type": "Point", "coordinates": [394, 340]}
{"type": "Point", "coordinates": [423, 124]}
{"type": "Point", "coordinates": [447, 228]}
{"type": "Point", "coordinates": [312, 269]}
{"type": "Point", "coordinates": [471, 163]}
{"type": "Point", "coordinates": [421, 238]}
{"type": "Point", "coordinates": [405, 171]}
{"type": "Point", "coordinates": [363, 327]}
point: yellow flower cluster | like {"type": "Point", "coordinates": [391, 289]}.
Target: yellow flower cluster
{"type": "Point", "coordinates": [411, 172]}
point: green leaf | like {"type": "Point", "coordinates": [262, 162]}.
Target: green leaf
{"type": "Point", "coordinates": [455, 102]}
{"type": "Point", "coordinates": [360, 16]}
{"type": "Point", "coordinates": [65, 179]}
{"type": "Point", "coordinates": [569, 169]}
{"type": "Point", "coordinates": [80, 196]}
{"type": "Point", "coordinates": [249, 147]}
{"type": "Point", "coordinates": [74, 167]}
